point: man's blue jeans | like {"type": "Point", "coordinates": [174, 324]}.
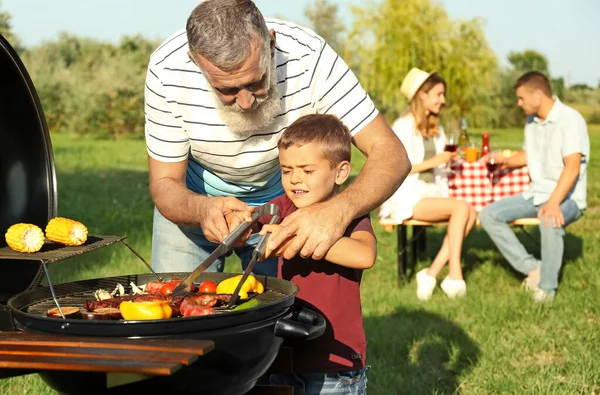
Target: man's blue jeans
{"type": "Point", "coordinates": [181, 249]}
{"type": "Point", "coordinates": [494, 219]}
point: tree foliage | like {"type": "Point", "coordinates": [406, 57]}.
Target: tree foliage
{"type": "Point", "coordinates": [529, 60]}
{"type": "Point", "coordinates": [390, 37]}
{"type": "Point", "coordinates": [89, 87]}
{"type": "Point", "coordinates": [6, 30]}
{"type": "Point", "coordinates": [325, 21]}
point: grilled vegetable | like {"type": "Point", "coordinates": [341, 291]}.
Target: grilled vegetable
{"type": "Point", "coordinates": [109, 313]}
{"type": "Point", "coordinates": [66, 231]}
{"type": "Point", "coordinates": [209, 287]}
{"type": "Point", "coordinates": [251, 284]}
{"type": "Point", "coordinates": [24, 237]}
{"type": "Point", "coordinates": [154, 310]}
{"type": "Point", "coordinates": [68, 312]}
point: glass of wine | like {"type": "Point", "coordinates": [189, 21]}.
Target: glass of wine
{"type": "Point", "coordinates": [451, 146]}
{"type": "Point", "coordinates": [492, 166]}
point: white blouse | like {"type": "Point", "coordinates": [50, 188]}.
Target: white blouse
{"type": "Point", "coordinates": [400, 205]}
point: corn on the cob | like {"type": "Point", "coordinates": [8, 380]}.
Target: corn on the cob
{"type": "Point", "coordinates": [24, 237]}
{"type": "Point", "coordinates": [66, 231]}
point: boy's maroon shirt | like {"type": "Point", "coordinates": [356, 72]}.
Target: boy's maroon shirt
{"type": "Point", "coordinates": [333, 291]}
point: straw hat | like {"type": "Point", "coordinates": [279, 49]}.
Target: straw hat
{"type": "Point", "coordinates": [413, 81]}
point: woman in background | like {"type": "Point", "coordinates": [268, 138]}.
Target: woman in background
{"type": "Point", "coordinates": [424, 194]}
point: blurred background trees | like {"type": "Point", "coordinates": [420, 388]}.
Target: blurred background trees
{"type": "Point", "coordinates": [6, 30]}
{"type": "Point", "coordinates": [91, 88]}
{"type": "Point", "coordinates": [94, 88]}
{"type": "Point", "coordinates": [390, 37]}
{"type": "Point", "coordinates": [324, 19]}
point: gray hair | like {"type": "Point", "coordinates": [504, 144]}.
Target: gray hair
{"type": "Point", "coordinates": [225, 31]}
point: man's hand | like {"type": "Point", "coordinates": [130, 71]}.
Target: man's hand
{"type": "Point", "coordinates": [235, 219]}
{"type": "Point", "coordinates": [212, 213]}
{"type": "Point", "coordinates": [499, 159]}
{"type": "Point", "coordinates": [551, 211]}
{"type": "Point", "coordinates": [276, 229]}
{"type": "Point", "coordinates": [565, 182]}
{"type": "Point", "coordinates": [314, 230]}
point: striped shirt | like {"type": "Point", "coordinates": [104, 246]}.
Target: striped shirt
{"type": "Point", "coordinates": [182, 120]}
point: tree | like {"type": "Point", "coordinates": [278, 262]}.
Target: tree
{"type": "Point", "coordinates": [471, 71]}
{"type": "Point", "coordinates": [581, 87]}
{"type": "Point", "coordinates": [529, 60]}
{"type": "Point", "coordinates": [558, 87]}
{"type": "Point", "coordinates": [6, 31]}
{"type": "Point", "coordinates": [391, 37]}
{"type": "Point", "coordinates": [91, 87]}
{"type": "Point", "coordinates": [325, 21]}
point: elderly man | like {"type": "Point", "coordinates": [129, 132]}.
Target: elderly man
{"type": "Point", "coordinates": [218, 96]}
{"type": "Point", "coordinates": [556, 152]}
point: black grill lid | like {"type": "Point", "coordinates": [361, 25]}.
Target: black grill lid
{"type": "Point", "coordinates": [27, 173]}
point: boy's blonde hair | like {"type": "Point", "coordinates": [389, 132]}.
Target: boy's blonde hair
{"type": "Point", "coordinates": [325, 130]}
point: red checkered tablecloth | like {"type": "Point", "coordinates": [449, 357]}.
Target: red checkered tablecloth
{"type": "Point", "coordinates": [470, 182]}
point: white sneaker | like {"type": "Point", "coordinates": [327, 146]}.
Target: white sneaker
{"type": "Point", "coordinates": [541, 296]}
{"type": "Point", "coordinates": [454, 288]}
{"type": "Point", "coordinates": [530, 284]}
{"type": "Point", "coordinates": [425, 284]}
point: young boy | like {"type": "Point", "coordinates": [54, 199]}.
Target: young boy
{"type": "Point", "coordinates": [314, 155]}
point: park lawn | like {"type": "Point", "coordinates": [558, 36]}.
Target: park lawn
{"type": "Point", "coordinates": [494, 341]}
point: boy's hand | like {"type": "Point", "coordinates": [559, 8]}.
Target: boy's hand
{"type": "Point", "coordinates": [234, 219]}
{"type": "Point", "coordinates": [279, 230]}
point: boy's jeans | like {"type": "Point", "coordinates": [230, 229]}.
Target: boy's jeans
{"type": "Point", "coordinates": [338, 383]}
{"type": "Point", "coordinates": [181, 249]}
{"type": "Point", "coordinates": [494, 218]}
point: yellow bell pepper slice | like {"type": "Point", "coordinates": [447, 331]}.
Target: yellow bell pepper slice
{"type": "Point", "coordinates": [251, 284]}
{"type": "Point", "coordinates": [152, 310]}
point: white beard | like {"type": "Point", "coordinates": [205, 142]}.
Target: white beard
{"type": "Point", "coordinates": [245, 123]}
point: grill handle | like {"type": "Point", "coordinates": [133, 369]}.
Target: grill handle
{"type": "Point", "coordinates": [305, 324]}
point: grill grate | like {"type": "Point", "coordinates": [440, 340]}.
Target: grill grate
{"type": "Point", "coordinates": [52, 252]}
{"type": "Point", "coordinates": [75, 300]}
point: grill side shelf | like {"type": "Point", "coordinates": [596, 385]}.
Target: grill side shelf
{"type": "Point", "coordinates": [51, 352]}
{"type": "Point", "coordinates": [52, 252]}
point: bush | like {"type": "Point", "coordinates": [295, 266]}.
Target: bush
{"type": "Point", "coordinates": [590, 112]}
{"type": "Point", "coordinates": [91, 88]}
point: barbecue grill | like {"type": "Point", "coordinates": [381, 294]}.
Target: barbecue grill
{"type": "Point", "coordinates": [246, 341]}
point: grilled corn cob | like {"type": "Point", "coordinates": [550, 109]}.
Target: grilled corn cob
{"type": "Point", "coordinates": [66, 231]}
{"type": "Point", "coordinates": [24, 237]}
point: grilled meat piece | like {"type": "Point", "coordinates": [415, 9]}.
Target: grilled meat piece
{"type": "Point", "coordinates": [223, 298]}
{"type": "Point", "coordinates": [196, 300]}
{"type": "Point", "coordinates": [197, 305]}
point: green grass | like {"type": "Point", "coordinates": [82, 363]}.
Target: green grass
{"type": "Point", "coordinates": [494, 341]}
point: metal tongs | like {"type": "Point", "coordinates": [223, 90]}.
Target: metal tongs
{"type": "Point", "coordinates": [187, 284]}
{"type": "Point", "coordinates": [257, 255]}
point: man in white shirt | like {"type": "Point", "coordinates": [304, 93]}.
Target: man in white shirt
{"type": "Point", "coordinates": [556, 151]}
{"type": "Point", "coordinates": [218, 96]}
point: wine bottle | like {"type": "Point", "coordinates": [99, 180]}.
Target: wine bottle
{"type": "Point", "coordinates": [463, 140]}
{"type": "Point", "coordinates": [485, 146]}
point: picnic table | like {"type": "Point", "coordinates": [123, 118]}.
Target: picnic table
{"type": "Point", "coordinates": [470, 181]}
